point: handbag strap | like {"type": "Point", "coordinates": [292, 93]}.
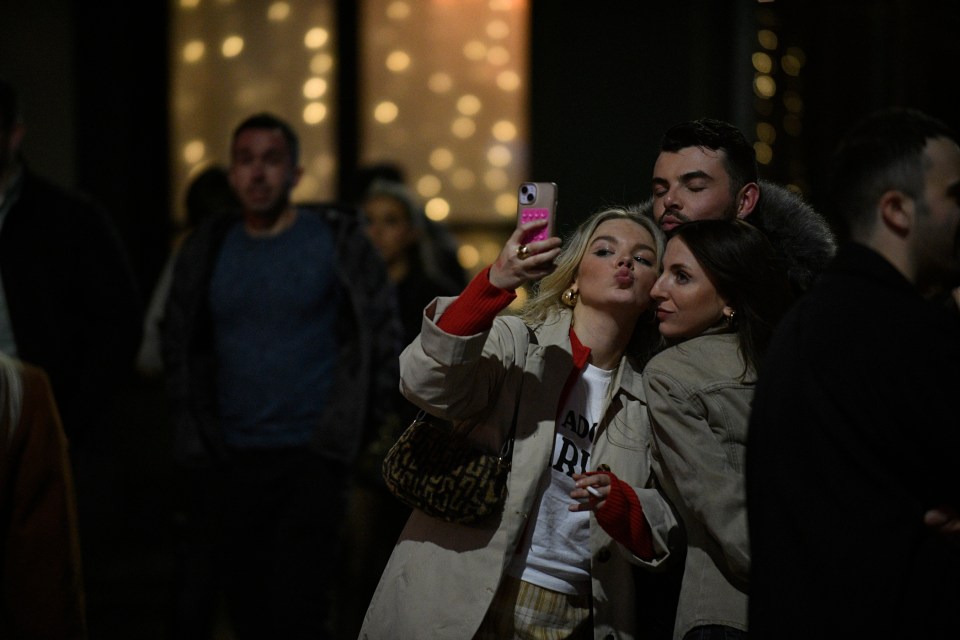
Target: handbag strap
{"type": "Point", "coordinates": [506, 451]}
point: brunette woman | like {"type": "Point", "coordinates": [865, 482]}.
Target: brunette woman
{"type": "Point", "coordinates": [718, 300]}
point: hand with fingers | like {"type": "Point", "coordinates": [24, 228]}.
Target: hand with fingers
{"type": "Point", "coordinates": [520, 263]}
{"type": "Point", "coordinates": [945, 521]}
{"type": "Point", "coordinates": [590, 492]}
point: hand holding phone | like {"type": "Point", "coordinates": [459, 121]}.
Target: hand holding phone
{"type": "Point", "coordinates": [537, 201]}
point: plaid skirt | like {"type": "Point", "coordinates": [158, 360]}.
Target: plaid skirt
{"type": "Point", "coordinates": [524, 611]}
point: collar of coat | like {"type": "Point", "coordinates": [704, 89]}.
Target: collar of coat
{"type": "Point", "coordinates": [626, 378]}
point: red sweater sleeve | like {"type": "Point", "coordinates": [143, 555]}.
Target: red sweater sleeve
{"type": "Point", "coordinates": [621, 516]}
{"type": "Point", "coordinates": [474, 310]}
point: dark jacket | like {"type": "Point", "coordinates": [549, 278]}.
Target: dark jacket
{"type": "Point", "coordinates": [74, 302]}
{"type": "Point", "coordinates": [854, 434]}
{"type": "Point", "coordinates": [368, 335]}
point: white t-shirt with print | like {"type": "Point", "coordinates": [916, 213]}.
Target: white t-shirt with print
{"type": "Point", "coordinates": [555, 552]}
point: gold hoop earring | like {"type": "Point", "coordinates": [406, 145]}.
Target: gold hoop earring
{"type": "Point", "coordinates": [569, 297]}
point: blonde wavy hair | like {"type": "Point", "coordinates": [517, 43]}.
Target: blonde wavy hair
{"type": "Point", "coordinates": [545, 294]}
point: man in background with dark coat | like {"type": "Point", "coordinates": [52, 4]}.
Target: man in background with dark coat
{"type": "Point", "coordinates": [852, 483]}
{"type": "Point", "coordinates": [69, 302]}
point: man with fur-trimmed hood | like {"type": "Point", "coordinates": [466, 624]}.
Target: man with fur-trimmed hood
{"type": "Point", "coordinates": [707, 170]}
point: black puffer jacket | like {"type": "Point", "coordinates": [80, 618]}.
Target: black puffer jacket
{"type": "Point", "coordinates": [368, 335]}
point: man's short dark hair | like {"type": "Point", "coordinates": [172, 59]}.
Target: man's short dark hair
{"type": "Point", "coordinates": [269, 121]}
{"type": "Point", "coordinates": [881, 152]}
{"type": "Point", "coordinates": [740, 159]}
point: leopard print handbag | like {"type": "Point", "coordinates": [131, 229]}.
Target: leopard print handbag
{"type": "Point", "coordinates": [437, 470]}
{"type": "Point", "coordinates": [440, 472]}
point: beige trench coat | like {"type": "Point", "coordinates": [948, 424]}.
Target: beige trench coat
{"type": "Point", "coordinates": [442, 577]}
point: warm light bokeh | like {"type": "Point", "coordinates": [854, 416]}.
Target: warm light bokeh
{"type": "Point", "coordinates": [462, 99]}
{"type": "Point", "coordinates": [279, 58]}
{"type": "Point", "coordinates": [443, 95]}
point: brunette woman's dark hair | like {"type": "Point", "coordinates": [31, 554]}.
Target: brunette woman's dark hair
{"type": "Point", "coordinates": [742, 265]}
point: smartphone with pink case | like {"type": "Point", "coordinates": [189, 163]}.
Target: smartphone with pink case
{"type": "Point", "coordinates": [537, 201]}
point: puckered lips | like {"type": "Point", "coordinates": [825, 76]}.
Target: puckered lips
{"type": "Point", "coordinates": [669, 222]}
